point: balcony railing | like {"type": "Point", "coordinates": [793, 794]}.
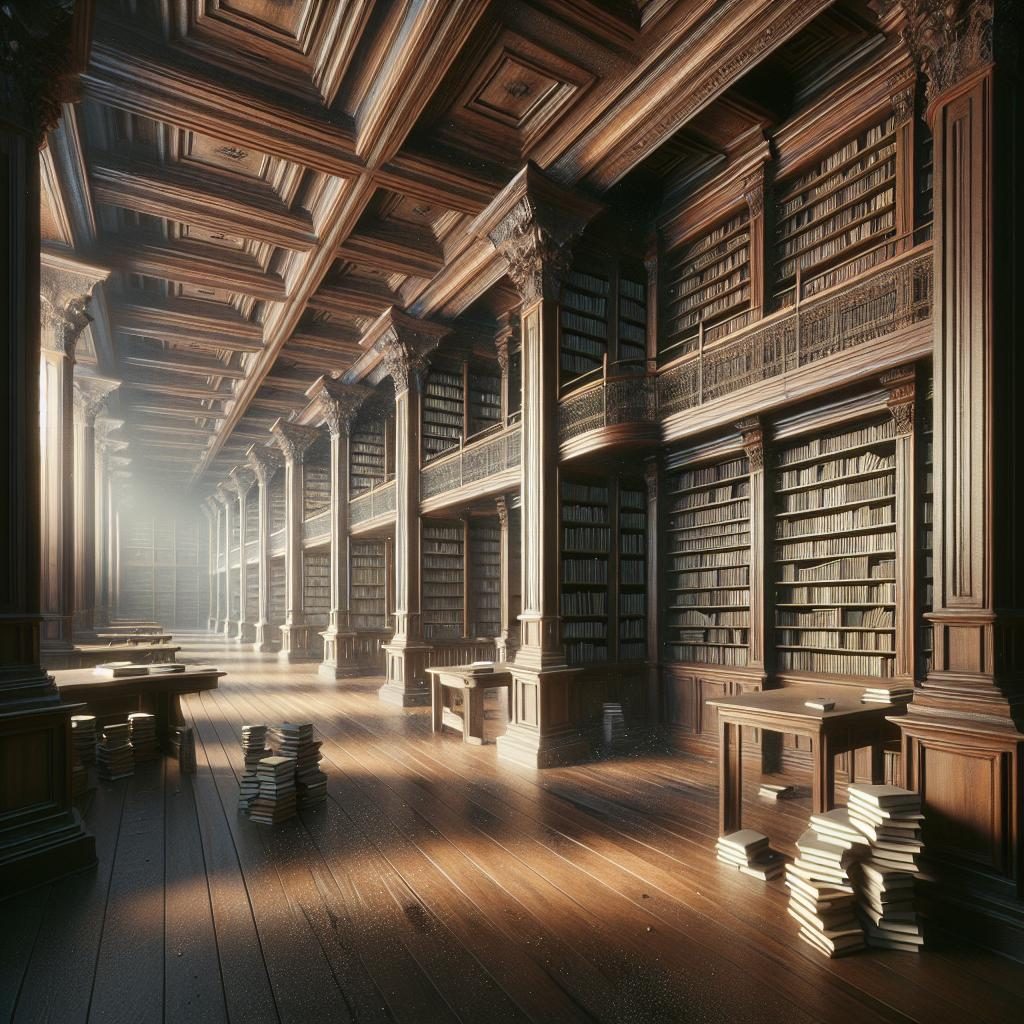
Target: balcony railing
{"type": "Point", "coordinates": [377, 501]}
{"type": "Point", "coordinates": [489, 453]}
{"type": "Point", "coordinates": [316, 527]}
{"type": "Point", "coordinates": [894, 294]}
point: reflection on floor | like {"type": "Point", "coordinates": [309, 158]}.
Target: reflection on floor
{"type": "Point", "coordinates": [439, 885]}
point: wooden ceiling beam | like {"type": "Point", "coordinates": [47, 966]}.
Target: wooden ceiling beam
{"type": "Point", "coordinates": [192, 263]}
{"type": "Point", "coordinates": [218, 205]}
{"type": "Point", "coordinates": [353, 297]}
{"type": "Point", "coordinates": [395, 249]}
{"type": "Point", "coordinates": [186, 323]}
{"type": "Point", "coordinates": [176, 411]}
{"type": "Point", "coordinates": [161, 387]}
{"type": "Point", "coordinates": [169, 362]}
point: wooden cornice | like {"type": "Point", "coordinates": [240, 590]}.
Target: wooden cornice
{"type": "Point", "coordinates": [191, 262]}
{"type": "Point", "coordinates": [176, 193]}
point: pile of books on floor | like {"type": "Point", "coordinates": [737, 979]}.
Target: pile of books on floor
{"type": "Point", "coordinates": [114, 753]}
{"type": "Point", "coordinates": [889, 695]}
{"type": "Point", "coordinates": [142, 728]}
{"type": "Point", "coordinates": [890, 819]}
{"type": "Point", "coordinates": [254, 749]}
{"type": "Point", "coordinates": [184, 746]}
{"type": "Point", "coordinates": [83, 736]}
{"type": "Point", "coordinates": [749, 851]}
{"type": "Point", "coordinates": [296, 741]}
{"type": "Point", "coordinates": [822, 897]}
{"type": "Point", "coordinates": [614, 723]}
{"type": "Point", "coordinates": [771, 791]}
{"type": "Point", "coordinates": [275, 801]}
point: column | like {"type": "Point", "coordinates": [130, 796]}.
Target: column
{"type": "Point", "coordinates": [264, 462]}
{"type": "Point", "coordinates": [655, 547]}
{"type": "Point", "coordinates": [531, 223]}
{"type": "Point", "coordinates": [962, 734]}
{"type": "Point", "coordinates": [505, 341]}
{"type": "Point", "coordinates": [337, 406]}
{"type": "Point", "coordinates": [293, 440]}
{"type": "Point", "coordinates": [243, 480]}
{"type": "Point", "coordinates": [226, 494]}
{"type": "Point", "coordinates": [91, 395]}
{"type": "Point", "coordinates": [209, 508]}
{"type": "Point", "coordinates": [61, 327]}
{"type": "Point", "coordinates": [761, 283]}
{"type": "Point", "coordinates": [40, 834]}
{"type": "Point", "coordinates": [403, 344]}
{"type": "Point", "coordinates": [106, 448]}
{"type": "Point", "coordinates": [507, 641]}
{"type": "Point", "coordinates": [220, 606]}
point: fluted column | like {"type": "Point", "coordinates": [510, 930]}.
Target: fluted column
{"type": "Point", "coordinates": [106, 448]}
{"type": "Point", "coordinates": [403, 344]}
{"type": "Point", "coordinates": [61, 327]}
{"type": "Point", "coordinates": [338, 406]}
{"type": "Point", "coordinates": [209, 508]}
{"type": "Point", "coordinates": [507, 641]}
{"type": "Point", "coordinates": [40, 834]}
{"type": "Point", "coordinates": [293, 440]}
{"type": "Point", "coordinates": [91, 395]}
{"type": "Point", "coordinates": [264, 462]}
{"type": "Point", "coordinates": [243, 479]}
{"type": "Point", "coordinates": [531, 223]}
{"type": "Point", "coordinates": [229, 502]}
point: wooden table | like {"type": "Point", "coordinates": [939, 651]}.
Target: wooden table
{"type": "Point", "coordinates": [112, 700]}
{"type": "Point", "coordinates": [848, 727]}
{"type": "Point", "coordinates": [472, 682]}
{"type": "Point", "coordinates": [134, 638]}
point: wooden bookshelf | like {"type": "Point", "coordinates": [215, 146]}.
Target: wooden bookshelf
{"type": "Point", "coordinates": [252, 518]}
{"type": "Point", "coordinates": [277, 501]}
{"type": "Point", "coordinates": [443, 412]}
{"type": "Point", "coordinates": [632, 575]}
{"type": "Point", "coordinates": [277, 591]}
{"type": "Point", "coordinates": [583, 322]}
{"type": "Point", "coordinates": [367, 464]}
{"type": "Point", "coordinates": [442, 601]}
{"type": "Point", "coordinates": [843, 205]}
{"type": "Point", "coordinates": [484, 401]}
{"type": "Point", "coordinates": [316, 589]}
{"type": "Point", "coordinates": [252, 595]}
{"type": "Point", "coordinates": [708, 281]}
{"type": "Point", "coordinates": [925, 535]}
{"type": "Point", "coordinates": [631, 333]}
{"type": "Point", "coordinates": [484, 578]}
{"type": "Point", "coordinates": [835, 552]}
{"type": "Point", "coordinates": [368, 601]}
{"type": "Point", "coordinates": [316, 482]}
{"type": "Point", "coordinates": [586, 552]}
{"type": "Point", "coordinates": [708, 551]}
{"type": "Point", "coordinates": [925, 175]}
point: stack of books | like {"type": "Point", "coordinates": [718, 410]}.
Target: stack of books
{"type": "Point", "coordinates": [114, 753]}
{"type": "Point", "coordinates": [749, 851]}
{"type": "Point", "coordinates": [83, 735]}
{"type": "Point", "coordinates": [275, 801]}
{"type": "Point", "coordinates": [117, 669]}
{"type": "Point", "coordinates": [770, 791]}
{"type": "Point", "coordinates": [166, 669]}
{"type": "Point", "coordinates": [142, 727]}
{"type": "Point", "coordinates": [296, 741]}
{"type": "Point", "coordinates": [614, 724]}
{"type": "Point", "coordinates": [889, 695]}
{"type": "Point", "coordinates": [890, 819]}
{"type": "Point", "coordinates": [254, 749]}
{"type": "Point", "coordinates": [822, 899]}
{"type": "Point", "coordinates": [186, 744]}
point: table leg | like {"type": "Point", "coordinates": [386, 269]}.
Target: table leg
{"type": "Point", "coordinates": [823, 796]}
{"type": "Point", "coordinates": [877, 763]}
{"type": "Point", "coordinates": [730, 776]}
{"type": "Point", "coordinates": [436, 703]}
{"type": "Point", "coordinates": [473, 715]}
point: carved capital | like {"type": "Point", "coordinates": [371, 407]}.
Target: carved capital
{"type": "Point", "coordinates": [505, 337]}
{"type": "Point", "coordinates": [502, 508]}
{"type": "Point", "coordinates": [403, 343]}
{"type": "Point", "coordinates": [753, 193]}
{"type": "Point", "coordinates": [951, 39]}
{"type": "Point", "coordinates": [902, 386]}
{"type": "Point", "coordinates": [62, 325]}
{"type": "Point", "coordinates": [91, 395]}
{"type": "Point", "coordinates": [752, 433]}
{"type": "Point", "coordinates": [264, 461]}
{"type": "Point", "coordinates": [901, 96]}
{"type": "Point", "coordinates": [293, 439]}
{"type": "Point", "coordinates": [338, 404]}
{"type": "Point", "coordinates": [243, 479]}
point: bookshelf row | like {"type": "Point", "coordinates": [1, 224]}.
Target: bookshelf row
{"type": "Point", "coordinates": [368, 583]}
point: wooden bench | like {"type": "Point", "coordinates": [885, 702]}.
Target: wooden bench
{"type": "Point", "coordinates": [134, 638]}
{"type": "Point", "coordinates": [111, 700]}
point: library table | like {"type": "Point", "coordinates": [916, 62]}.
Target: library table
{"type": "Point", "coordinates": [134, 638]}
{"type": "Point", "coordinates": [472, 681]}
{"type": "Point", "coordinates": [112, 700]}
{"type": "Point", "coordinates": [849, 726]}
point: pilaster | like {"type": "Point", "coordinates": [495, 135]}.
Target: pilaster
{"type": "Point", "coordinates": [507, 642]}
{"type": "Point", "coordinates": [404, 343]}
{"type": "Point", "coordinates": [532, 223]}
{"type": "Point", "coordinates": [107, 447]}
{"type": "Point", "coordinates": [293, 440]}
{"type": "Point", "coordinates": [229, 503]}
{"type": "Point", "coordinates": [265, 462]}
{"type": "Point", "coordinates": [243, 480]}
{"type": "Point", "coordinates": [209, 509]}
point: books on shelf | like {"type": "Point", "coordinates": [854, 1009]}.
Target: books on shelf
{"type": "Point", "coordinates": [442, 575]}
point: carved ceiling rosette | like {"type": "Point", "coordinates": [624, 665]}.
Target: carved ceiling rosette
{"type": "Point", "coordinates": [265, 462]}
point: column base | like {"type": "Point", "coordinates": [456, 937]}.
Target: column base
{"type": "Point", "coordinates": [266, 640]}
{"type": "Point", "coordinates": [294, 643]}
{"type": "Point", "coordinates": [407, 684]}
{"type": "Point", "coordinates": [230, 629]}
{"type": "Point", "coordinates": [340, 657]}
{"type": "Point", "coordinates": [211, 625]}
{"type": "Point", "coordinates": [527, 747]}
{"type": "Point", "coordinates": [246, 633]}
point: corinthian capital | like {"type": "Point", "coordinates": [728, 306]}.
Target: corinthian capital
{"type": "Point", "coordinates": [533, 223]}
{"type": "Point", "coordinates": [91, 395]}
{"type": "Point", "coordinates": [338, 404]}
{"type": "Point", "coordinates": [243, 479]}
{"type": "Point", "coordinates": [265, 462]}
{"type": "Point", "coordinates": [62, 325]}
{"type": "Point", "coordinates": [293, 439]}
{"type": "Point", "coordinates": [403, 343]}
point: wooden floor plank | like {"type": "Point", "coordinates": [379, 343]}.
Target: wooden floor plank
{"type": "Point", "coordinates": [22, 919]}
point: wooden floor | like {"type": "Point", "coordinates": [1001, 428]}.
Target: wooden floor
{"type": "Point", "coordinates": [439, 885]}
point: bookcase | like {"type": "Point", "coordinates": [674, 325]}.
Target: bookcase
{"type": "Point", "coordinates": [252, 516]}
{"type": "Point", "coordinates": [316, 482]}
{"type": "Point", "coordinates": [443, 412]}
{"type": "Point", "coordinates": [632, 575]}
{"type": "Point", "coordinates": [708, 281]}
{"type": "Point", "coordinates": [484, 400]}
{"type": "Point", "coordinates": [368, 600]}
{"type": "Point", "coordinates": [277, 501]}
{"type": "Point", "coordinates": [632, 319]}
{"type": "Point", "coordinates": [843, 205]}
{"type": "Point", "coordinates": [442, 580]}
{"type": "Point", "coordinates": [708, 557]}
{"type": "Point", "coordinates": [277, 591]}
{"type": "Point", "coordinates": [925, 527]}
{"type": "Point", "coordinates": [583, 321]}
{"type": "Point", "coordinates": [586, 551]}
{"type": "Point", "coordinates": [484, 578]}
{"type": "Point", "coordinates": [834, 558]}
{"type": "Point", "coordinates": [367, 465]}
{"type": "Point", "coordinates": [925, 173]}
{"type": "Point", "coordinates": [252, 595]}
{"type": "Point", "coordinates": [316, 591]}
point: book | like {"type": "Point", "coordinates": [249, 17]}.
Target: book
{"type": "Point", "coordinates": [771, 791]}
{"type": "Point", "coordinates": [118, 669]}
{"type": "Point", "coordinates": [820, 704]}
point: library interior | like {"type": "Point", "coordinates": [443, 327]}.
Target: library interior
{"type": "Point", "coordinates": [512, 511]}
